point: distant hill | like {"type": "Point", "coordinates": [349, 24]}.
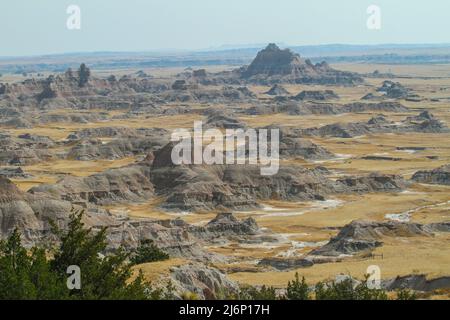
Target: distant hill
{"type": "Point", "coordinates": [332, 53]}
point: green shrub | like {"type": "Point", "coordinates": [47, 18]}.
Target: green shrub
{"type": "Point", "coordinates": [297, 290]}
{"type": "Point", "coordinates": [254, 293]}
{"type": "Point", "coordinates": [83, 75]}
{"type": "Point", "coordinates": [29, 274]}
{"type": "Point", "coordinates": [405, 294]}
{"type": "Point", "coordinates": [148, 252]}
{"type": "Point", "coordinates": [345, 290]}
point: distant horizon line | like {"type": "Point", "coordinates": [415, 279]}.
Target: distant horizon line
{"type": "Point", "coordinates": [226, 47]}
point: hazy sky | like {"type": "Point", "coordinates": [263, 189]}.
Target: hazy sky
{"type": "Point", "coordinates": [32, 27]}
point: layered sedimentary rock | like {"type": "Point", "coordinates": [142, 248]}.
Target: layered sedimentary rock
{"type": "Point", "coordinates": [394, 90]}
{"type": "Point", "coordinates": [439, 175]}
{"type": "Point", "coordinates": [93, 149]}
{"type": "Point", "coordinates": [292, 144]}
{"type": "Point", "coordinates": [273, 65]}
{"type": "Point", "coordinates": [225, 94]}
{"type": "Point", "coordinates": [29, 213]}
{"type": "Point", "coordinates": [13, 172]}
{"type": "Point", "coordinates": [32, 212]}
{"type": "Point", "coordinates": [199, 187]}
{"type": "Point", "coordinates": [223, 120]}
{"type": "Point", "coordinates": [32, 102]}
{"type": "Point", "coordinates": [357, 237]}
{"type": "Point", "coordinates": [25, 149]}
{"type": "Point", "coordinates": [286, 264]}
{"type": "Point", "coordinates": [361, 236]}
{"type": "Point", "coordinates": [205, 282]}
{"type": "Point", "coordinates": [425, 123]}
{"type": "Point", "coordinates": [374, 182]}
{"type": "Point", "coordinates": [417, 282]}
{"type": "Point", "coordinates": [277, 90]}
{"type": "Point", "coordinates": [306, 108]}
{"type": "Point", "coordinates": [206, 187]}
{"type": "Point", "coordinates": [124, 184]}
{"type": "Point", "coordinates": [316, 95]}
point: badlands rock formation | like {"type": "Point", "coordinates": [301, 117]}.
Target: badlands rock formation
{"type": "Point", "coordinates": [293, 107]}
{"type": "Point", "coordinates": [207, 282]}
{"type": "Point", "coordinates": [273, 65]}
{"type": "Point", "coordinates": [293, 145]}
{"type": "Point", "coordinates": [32, 212]}
{"type": "Point", "coordinates": [126, 184]}
{"type": "Point", "coordinates": [206, 187]}
{"type": "Point", "coordinates": [277, 90]}
{"type": "Point", "coordinates": [361, 236]}
{"type": "Point", "coordinates": [139, 105]}
{"type": "Point", "coordinates": [316, 95]}
{"type": "Point", "coordinates": [379, 124]}
{"type": "Point", "coordinates": [24, 150]}
{"type": "Point", "coordinates": [439, 175]}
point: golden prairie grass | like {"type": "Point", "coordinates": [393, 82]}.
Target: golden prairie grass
{"type": "Point", "coordinates": [401, 256]}
{"type": "Point", "coordinates": [153, 271]}
{"type": "Point", "coordinates": [77, 167]}
{"type": "Point", "coordinates": [59, 131]}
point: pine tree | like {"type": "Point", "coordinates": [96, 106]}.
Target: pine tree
{"type": "Point", "coordinates": [83, 75]}
{"type": "Point", "coordinates": [297, 290]}
{"type": "Point", "coordinates": [30, 274]}
{"type": "Point", "coordinates": [148, 252]}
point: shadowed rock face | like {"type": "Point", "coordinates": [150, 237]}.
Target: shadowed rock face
{"type": "Point", "coordinates": [394, 90]}
{"type": "Point", "coordinates": [371, 96]}
{"type": "Point", "coordinates": [302, 148]}
{"type": "Point", "coordinates": [366, 235]}
{"type": "Point", "coordinates": [13, 172]}
{"type": "Point", "coordinates": [198, 187]}
{"type": "Point", "coordinates": [226, 222]}
{"type": "Point", "coordinates": [316, 95]}
{"type": "Point", "coordinates": [293, 145]}
{"type": "Point", "coordinates": [374, 182]}
{"type": "Point", "coordinates": [293, 107]}
{"type": "Point", "coordinates": [204, 187]}
{"type": "Point", "coordinates": [31, 213]}
{"type": "Point", "coordinates": [94, 149]}
{"type": "Point", "coordinates": [272, 65]}
{"type": "Point", "coordinates": [355, 238]}
{"type": "Point", "coordinates": [206, 282]}
{"type": "Point", "coordinates": [225, 226]}
{"type": "Point", "coordinates": [286, 264]}
{"type": "Point", "coordinates": [277, 90]}
{"type": "Point", "coordinates": [274, 61]}
{"type": "Point", "coordinates": [207, 187]}
{"type": "Point", "coordinates": [125, 184]}
{"type": "Point", "coordinates": [223, 120]}
{"type": "Point", "coordinates": [24, 150]}
{"type": "Point", "coordinates": [27, 103]}
{"type": "Point", "coordinates": [418, 282]}
{"type": "Point", "coordinates": [28, 213]}
{"type": "Point", "coordinates": [115, 132]}
{"type": "Point", "coordinates": [439, 175]}
{"type": "Point", "coordinates": [425, 123]}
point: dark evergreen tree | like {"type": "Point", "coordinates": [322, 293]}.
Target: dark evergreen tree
{"type": "Point", "coordinates": [297, 290]}
{"type": "Point", "coordinates": [346, 290]}
{"type": "Point", "coordinates": [148, 252]}
{"type": "Point", "coordinates": [254, 293]}
{"type": "Point", "coordinates": [83, 75]}
{"type": "Point", "coordinates": [30, 274]}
